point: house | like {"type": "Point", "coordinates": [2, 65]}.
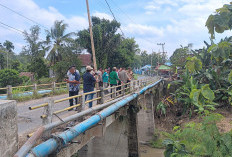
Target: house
{"type": "Point", "coordinates": [85, 61]}
{"type": "Point", "coordinates": [27, 74]}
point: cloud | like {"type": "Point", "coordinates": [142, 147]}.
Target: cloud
{"type": "Point", "coordinates": [45, 17]}
{"type": "Point", "coordinates": [143, 30]}
{"type": "Point", "coordinates": [103, 15]}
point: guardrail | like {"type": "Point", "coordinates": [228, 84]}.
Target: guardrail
{"type": "Point", "coordinates": [52, 143]}
{"type": "Point", "coordinates": [101, 97]}
{"type": "Point", "coordinates": [10, 92]}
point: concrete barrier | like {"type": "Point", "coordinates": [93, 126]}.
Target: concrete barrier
{"type": "Point", "coordinates": [8, 128]}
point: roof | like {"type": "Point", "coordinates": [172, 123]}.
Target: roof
{"type": "Point", "coordinates": [163, 67]}
{"type": "Point", "coordinates": [146, 67]}
{"type": "Point", "coordinates": [28, 74]}
{"type": "Point", "coordinates": [85, 59]}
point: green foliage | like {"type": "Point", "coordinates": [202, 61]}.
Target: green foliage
{"type": "Point", "coordinates": [161, 107]}
{"type": "Point", "coordinates": [111, 48]}
{"type": "Point", "coordinates": [193, 64]}
{"type": "Point", "coordinates": [39, 67]}
{"type": "Point", "coordinates": [201, 139]}
{"type": "Point", "coordinates": [179, 57]}
{"type": "Point", "coordinates": [194, 96]}
{"type": "Point", "coordinates": [9, 77]}
{"type": "Point", "coordinates": [220, 21]}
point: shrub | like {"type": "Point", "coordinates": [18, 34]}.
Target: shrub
{"type": "Point", "coordinates": [9, 77]}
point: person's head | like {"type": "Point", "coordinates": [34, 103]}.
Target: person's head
{"type": "Point", "coordinates": [106, 70]}
{"type": "Point", "coordinates": [129, 68]}
{"type": "Point", "coordinates": [89, 68]}
{"type": "Point", "coordinates": [100, 69]}
{"type": "Point", "coordinates": [114, 68]}
{"type": "Point", "coordinates": [72, 69]}
{"type": "Point", "coordinates": [123, 68]}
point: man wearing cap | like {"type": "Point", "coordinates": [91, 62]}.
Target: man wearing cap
{"type": "Point", "coordinates": [88, 84]}
{"type": "Point", "coordinates": [74, 84]}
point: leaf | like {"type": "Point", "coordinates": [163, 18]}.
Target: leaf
{"type": "Point", "coordinates": [207, 92]}
{"type": "Point", "coordinates": [230, 76]}
{"type": "Point", "coordinates": [194, 95]}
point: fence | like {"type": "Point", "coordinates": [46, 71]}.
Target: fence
{"type": "Point", "coordinates": [35, 89]}
{"type": "Point", "coordinates": [103, 95]}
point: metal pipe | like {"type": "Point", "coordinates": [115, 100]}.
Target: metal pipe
{"type": "Point", "coordinates": [62, 139]}
{"type": "Point", "coordinates": [36, 135]}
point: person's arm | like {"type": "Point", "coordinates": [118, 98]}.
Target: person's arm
{"type": "Point", "coordinates": [93, 79]}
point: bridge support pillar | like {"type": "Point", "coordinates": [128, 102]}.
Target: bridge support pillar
{"type": "Point", "coordinates": [133, 142]}
{"type": "Point", "coordinates": [146, 119]}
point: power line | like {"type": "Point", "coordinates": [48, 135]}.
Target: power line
{"type": "Point", "coordinates": [113, 15]}
{"type": "Point", "coordinates": [128, 17]}
{"type": "Point", "coordinates": [22, 15]}
{"type": "Point", "coordinates": [11, 27]}
{"type": "Point", "coordinates": [15, 29]}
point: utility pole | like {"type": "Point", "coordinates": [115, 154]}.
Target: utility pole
{"type": "Point", "coordinates": [91, 37]}
{"type": "Point", "coordinates": [162, 44]}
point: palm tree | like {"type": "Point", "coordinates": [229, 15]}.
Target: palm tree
{"type": "Point", "coordinates": [57, 38]}
{"type": "Point", "coordinates": [9, 47]}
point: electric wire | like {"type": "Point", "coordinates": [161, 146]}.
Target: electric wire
{"type": "Point", "coordinates": [22, 15]}
{"type": "Point", "coordinates": [113, 15]}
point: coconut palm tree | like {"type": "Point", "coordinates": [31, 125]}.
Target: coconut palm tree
{"type": "Point", "coordinates": [9, 47]}
{"type": "Point", "coordinates": [57, 38]}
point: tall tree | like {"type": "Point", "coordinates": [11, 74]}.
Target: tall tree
{"type": "Point", "coordinates": [9, 48]}
{"type": "Point", "coordinates": [35, 51]}
{"type": "Point", "coordinates": [56, 38]}
{"type": "Point", "coordinates": [106, 39]}
{"type": "Point", "coordinates": [35, 48]}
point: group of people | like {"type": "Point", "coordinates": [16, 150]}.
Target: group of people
{"type": "Point", "coordinates": [92, 77]}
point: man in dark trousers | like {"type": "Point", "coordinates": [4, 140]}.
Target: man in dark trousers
{"type": "Point", "coordinates": [88, 83]}
{"type": "Point", "coordinates": [74, 84]}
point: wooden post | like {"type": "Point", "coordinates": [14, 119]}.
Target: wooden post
{"type": "Point", "coordinates": [91, 36]}
{"type": "Point", "coordinates": [53, 87]}
{"type": "Point", "coordinates": [9, 92]}
{"type": "Point", "coordinates": [35, 89]}
{"type": "Point", "coordinates": [114, 92]}
{"type": "Point", "coordinates": [82, 102]}
{"type": "Point", "coordinates": [102, 95]}
{"type": "Point", "coordinates": [123, 89]}
{"type": "Point", "coordinates": [48, 119]}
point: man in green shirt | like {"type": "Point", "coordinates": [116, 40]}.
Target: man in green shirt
{"type": "Point", "coordinates": [114, 78]}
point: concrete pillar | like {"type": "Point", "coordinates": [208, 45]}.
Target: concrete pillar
{"type": "Point", "coordinates": [114, 143]}
{"type": "Point", "coordinates": [133, 142]}
{"type": "Point", "coordinates": [8, 128]}
{"type": "Point", "coordinates": [9, 92]}
{"type": "Point", "coordinates": [146, 121]}
{"type": "Point", "coordinates": [35, 89]}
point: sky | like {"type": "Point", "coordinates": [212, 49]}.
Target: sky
{"type": "Point", "coordinates": [173, 22]}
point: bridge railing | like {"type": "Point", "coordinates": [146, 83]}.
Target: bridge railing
{"type": "Point", "coordinates": [103, 95]}
{"type": "Point", "coordinates": [52, 143]}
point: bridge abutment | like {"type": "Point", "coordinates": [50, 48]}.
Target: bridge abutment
{"type": "Point", "coordinates": [8, 128]}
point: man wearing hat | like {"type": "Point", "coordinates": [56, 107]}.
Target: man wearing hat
{"type": "Point", "coordinates": [88, 84]}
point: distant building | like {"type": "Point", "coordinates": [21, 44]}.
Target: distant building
{"type": "Point", "coordinates": [28, 74]}
{"type": "Point", "coordinates": [85, 61]}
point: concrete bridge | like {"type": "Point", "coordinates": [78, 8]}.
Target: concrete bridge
{"type": "Point", "coordinates": [114, 128]}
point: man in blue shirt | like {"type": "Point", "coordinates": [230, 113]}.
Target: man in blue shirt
{"type": "Point", "coordinates": [88, 84]}
{"type": "Point", "coordinates": [74, 84]}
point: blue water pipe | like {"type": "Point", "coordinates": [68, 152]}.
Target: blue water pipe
{"type": "Point", "coordinates": [62, 139]}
